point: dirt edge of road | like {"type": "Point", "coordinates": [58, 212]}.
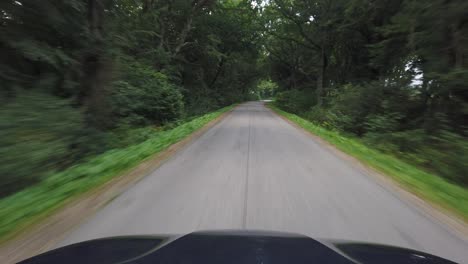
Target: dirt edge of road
{"type": "Point", "coordinates": [43, 235]}
{"type": "Point", "coordinates": [433, 211]}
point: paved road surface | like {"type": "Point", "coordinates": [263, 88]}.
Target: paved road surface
{"type": "Point", "coordinates": [254, 170]}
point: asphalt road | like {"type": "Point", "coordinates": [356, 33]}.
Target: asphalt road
{"type": "Point", "coordinates": [253, 170]}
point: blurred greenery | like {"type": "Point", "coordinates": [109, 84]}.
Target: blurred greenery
{"type": "Point", "coordinates": [78, 78]}
{"type": "Point", "coordinates": [24, 207]}
{"type": "Point", "coordinates": [426, 185]}
{"type": "Point", "coordinates": [38, 128]}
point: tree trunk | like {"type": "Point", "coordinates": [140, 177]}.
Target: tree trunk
{"type": "Point", "coordinates": [457, 47]}
{"type": "Point", "coordinates": [183, 35]}
{"type": "Point", "coordinates": [162, 27]}
{"type": "Point", "coordinates": [218, 72]}
{"type": "Point", "coordinates": [197, 6]}
{"type": "Point", "coordinates": [321, 72]}
{"type": "Point", "coordinates": [95, 18]}
{"type": "Point", "coordinates": [95, 68]}
{"type": "Point", "coordinates": [147, 5]}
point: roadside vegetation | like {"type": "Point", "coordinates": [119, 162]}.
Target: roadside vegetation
{"type": "Point", "coordinates": [91, 88]}
{"type": "Point", "coordinates": [426, 185]}
{"type": "Point", "coordinates": [390, 75]}
{"type": "Point", "coordinates": [23, 207]}
{"type": "Point", "coordinates": [82, 78]}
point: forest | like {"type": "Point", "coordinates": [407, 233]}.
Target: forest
{"type": "Point", "coordinates": [79, 78]}
{"type": "Point", "coordinates": [392, 73]}
{"type": "Point", "coordinates": [83, 77]}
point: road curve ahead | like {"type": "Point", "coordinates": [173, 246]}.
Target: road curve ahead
{"type": "Point", "coordinates": [253, 170]}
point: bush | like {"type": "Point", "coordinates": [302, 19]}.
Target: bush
{"type": "Point", "coordinates": [445, 154]}
{"type": "Point", "coordinates": [37, 132]}
{"type": "Point", "coordinates": [323, 117]}
{"type": "Point", "coordinates": [344, 110]}
{"type": "Point", "coordinates": [352, 104]}
{"type": "Point", "coordinates": [145, 97]}
{"type": "Point", "coordinates": [383, 123]}
{"type": "Point", "coordinates": [360, 109]}
{"type": "Point", "coordinates": [266, 89]}
{"type": "Point", "coordinates": [124, 135]}
{"type": "Point", "coordinates": [201, 104]}
{"type": "Point", "coordinates": [295, 101]}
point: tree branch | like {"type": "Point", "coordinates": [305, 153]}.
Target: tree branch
{"type": "Point", "coordinates": [294, 40]}
{"type": "Point", "coordinates": [298, 25]}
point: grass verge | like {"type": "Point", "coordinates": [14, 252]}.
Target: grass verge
{"type": "Point", "coordinates": [24, 207]}
{"type": "Point", "coordinates": [427, 186]}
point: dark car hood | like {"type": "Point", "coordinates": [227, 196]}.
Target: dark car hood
{"type": "Point", "coordinates": [226, 247]}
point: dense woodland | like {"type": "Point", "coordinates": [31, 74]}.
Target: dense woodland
{"type": "Point", "coordinates": [81, 77]}
{"type": "Point", "coordinates": [78, 77]}
{"type": "Point", "coordinates": [394, 73]}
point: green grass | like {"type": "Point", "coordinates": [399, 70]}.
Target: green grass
{"type": "Point", "coordinates": [27, 206]}
{"type": "Point", "coordinates": [427, 186]}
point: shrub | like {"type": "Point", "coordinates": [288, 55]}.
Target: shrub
{"type": "Point", "coordinates": [200, 104]}
{"type": "Point", "coordinates": [323, 117]}
{"type": "Point", "coordinates": [37, 132]}
{"type": "Point", "coordinates": [445, 153]}
{"type": "Point", "coordinates": [124, 135]}
{"type": "Point", "coordinates": [295, 101]}
{"type": "Point", "coordinates": [145, 96]}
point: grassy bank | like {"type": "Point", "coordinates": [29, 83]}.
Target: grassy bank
{"type": "Point", "coordinates": [23, 208]}
{"type": "Point", "coordinates": [426, 185]}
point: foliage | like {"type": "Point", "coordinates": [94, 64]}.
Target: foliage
{"type": "Point", "coordinates": [209, 49]}
{"type": "Point", "coordinates": [444, 154]}
{"type": "Point", "coordinates": [266, 89]}
{"type": "Point", "coordinates": [383, 116]}
{"type": "Point", "coordinates": [38, 133]}
{"type": "Point", "coordinates": [99, 70]}
{"type": "Point", "coordinates": [147, 97]}
{"type": "Point", "coordinates": [294, 101]}
{"type": "Point", "coordinates": [30, 45]}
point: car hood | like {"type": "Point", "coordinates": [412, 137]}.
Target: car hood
{"type": "Point", "coordinates": [226, 247]}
